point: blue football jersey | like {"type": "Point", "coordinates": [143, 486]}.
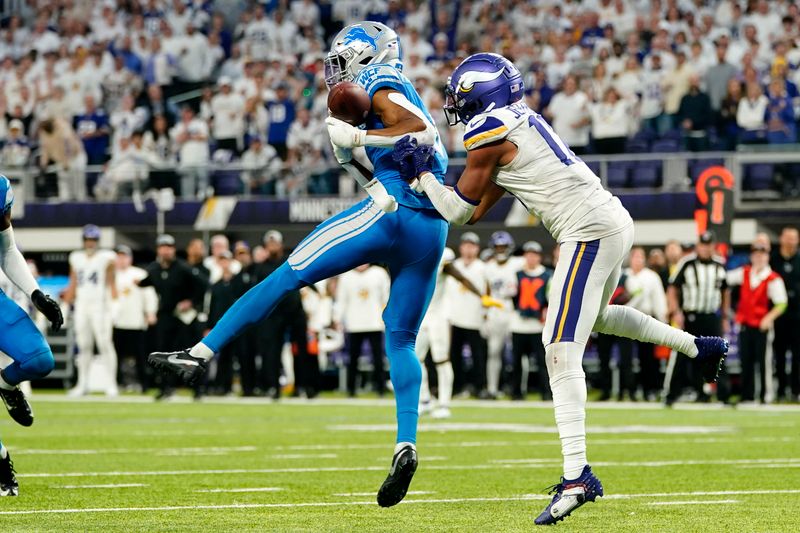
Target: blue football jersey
{"type": "Point", "coordinates": [382, 76]}
{"type": "Point", "coordinates": [6, 194]}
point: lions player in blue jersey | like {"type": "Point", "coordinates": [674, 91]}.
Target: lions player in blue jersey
{"type": "Point", "coordinates": [20, 339]}
{"type": "Point", "coordinates": [396, 226]}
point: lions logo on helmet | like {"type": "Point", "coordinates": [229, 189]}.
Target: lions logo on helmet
{"type": "Point", "coordinates": [358, 46]}
{"type": "Point", "coordinates": [6, 194]}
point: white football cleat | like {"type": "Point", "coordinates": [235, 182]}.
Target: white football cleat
{"type": "Point", "coordinates": [441, 412]}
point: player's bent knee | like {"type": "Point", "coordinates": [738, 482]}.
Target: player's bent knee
{"type": "Point", "coordinates": [564, 360]}
{"type": "Point", "coordinates": [40, 364]}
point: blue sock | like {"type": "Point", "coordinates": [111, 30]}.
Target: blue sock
{"type": "Point", "coordinates": [406, 375]}
{"type": "Point", "coordinates": [254, 306]}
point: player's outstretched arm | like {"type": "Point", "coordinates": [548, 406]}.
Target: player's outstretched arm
{"type": "Point", "coordinates": [17, 270]}
{"type": "Point", "coordinates": [399, 116]}
{"type": "Point", "coordinates": [486, 300]}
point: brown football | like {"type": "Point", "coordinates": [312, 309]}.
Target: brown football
{"type": "Point", "coordinates": [349, 102]}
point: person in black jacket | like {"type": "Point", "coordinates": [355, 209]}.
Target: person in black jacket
{"type": "Point", "coordinates": [246, 346]}
{"type": "Point", "coordinates": [786, 262]}
{"type": "Point", "coordinates": [176, 287]}
{"type": "Point", "coordinates": [696, 115]}
{"type": "Point", "coordinates": [222, 295]}
{"type": "Point", "coordinates": [288, 319]}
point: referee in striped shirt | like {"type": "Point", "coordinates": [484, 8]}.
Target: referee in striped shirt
{"type": "Point", "coordinates": [697, 300]}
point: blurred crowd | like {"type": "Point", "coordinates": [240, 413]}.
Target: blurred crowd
{"type": "Point", "coordinates": [203, 96]}
{"type": "Point", "coordinates": [332, 331]}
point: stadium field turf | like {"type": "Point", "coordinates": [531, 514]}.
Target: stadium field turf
{"type": "Point", "coordinates": [134, 465]}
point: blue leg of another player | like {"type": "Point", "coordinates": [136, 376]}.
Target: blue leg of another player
{"type": "Point", "coordinates": [24, 343]}
{"type": "Point", "coordinates": [32, 357]}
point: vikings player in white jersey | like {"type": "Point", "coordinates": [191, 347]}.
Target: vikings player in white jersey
{"type": "Point", "coordinates": [92, 289]}
{"type": "Point", "coordinates": [510, 148]}
{"type": "Point", "coordinates": [501, 276]}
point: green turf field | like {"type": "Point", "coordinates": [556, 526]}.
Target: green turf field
{"type": "Point", "coordinates": [315, 466]}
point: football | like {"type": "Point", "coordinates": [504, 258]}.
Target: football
{"type": "Point", "coordinates": [349, 102]}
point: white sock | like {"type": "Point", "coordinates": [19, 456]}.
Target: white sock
{"type": "Point", "coordinates": [424, 388]}
{"type": "Point", "coordinates": [400, 445]}
{"type": "Point", "coordinates": [624, 321]}
{"type": "Point", "coordinates": [201, 351]}
{"type": "Point", "coordinates": [568, 383]}
{"type": "Point", "coordinates": [493, 368]}
{"type": "Point", "coordinates": [4, 384]}
{"type": "Point", "coordinates": [444, 371]}
{"type": "Point", "coordinates": [3, 452]}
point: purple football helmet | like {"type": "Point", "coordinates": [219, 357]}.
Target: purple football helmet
{"type": "Point", "coordinates": [481, 82]}
{"type": "Point", "coordinates": [502, 243]}
{"type": "Point", "coordinates": [91, 232]}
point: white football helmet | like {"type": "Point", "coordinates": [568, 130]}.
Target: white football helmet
{"type": "Point", "coordinates": [360, 45]}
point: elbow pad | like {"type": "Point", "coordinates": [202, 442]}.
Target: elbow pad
{"type": "Point", "coordinates": [454, 207]}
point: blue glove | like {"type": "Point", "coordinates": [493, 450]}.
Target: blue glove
{"type": "Point", "coordinates": [412, 158]}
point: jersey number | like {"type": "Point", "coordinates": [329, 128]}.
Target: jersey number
{"type": "Point", "coordinates": [562, 151]}
{"type": "Point", "coordinates": [83, 278]}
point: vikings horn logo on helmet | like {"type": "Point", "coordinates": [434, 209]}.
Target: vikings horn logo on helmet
{"type": "Point", "coordinates": [469, 79]}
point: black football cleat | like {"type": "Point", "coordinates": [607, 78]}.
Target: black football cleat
{"type": "Point", "coordinates": [393, 490]}
{"type": "Point", "coordinates": [187, 368]}
{"type": "Point", "coordinates": [711, 352]}
{"type": "Point", "coordinates": [18, 406]}
{"type": "Point", "coordinates": [8, 481]}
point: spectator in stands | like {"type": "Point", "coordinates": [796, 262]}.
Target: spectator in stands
{"type": "Point", "coordinates": [751, 115]}
{"type": "Point", "coordinates": [16, 149]}
{"type": "Point", "coordinates": [161, 154]}
{"type": "Point", "coordinates": [125, 120]}
{"type": "Point", "coordinates": [677, 83]}
{"type": "Point", "coordinates": [261, 167]}
{"type": "Point", "coordinates": [762, 299]}
{"type": "Point", "coordinates": [539, 93]}
{"type": "Point", "coordinates": [227, 111]}
{"type": "Point", "coordinates": [781, 128]}
{"type": "Point", "coordinates": [118, 83]}
{"type": "Point", "coordinates": [281, 115]}
{"type": "Point", "coordinates": [629, 81]}
{"type": "Point", "coordinates": [127, 172]}
{"type": "Point", "coordinates": [93, 128]}
{"type": "Point", "coordinates": [60, 146]}
{"type": "Point", "coordinates": [361, 295]}
{"type": "Point", "coordinates": [727, 126]}
{"type": "Point", "coordinates": [695, 116]}
{"type": "Point", "coordinates": [610, 123]}
{"type": "Point", "coordinates": [190, 137]}
{"type": "Point", "coordinates": [159, 65]}
{"type": "Point", "coordinates": [304, 143]}
{"type": "Point", "coordinates": [569, 113]}
{"type": "Point", "coordinates": [718, 75]}
{"type": "Point", "coordinates": [786, 262]}
{"type": "Point", "coordinates": [195, 60]}
{"type": "Point", "coordinates": [651, 106]}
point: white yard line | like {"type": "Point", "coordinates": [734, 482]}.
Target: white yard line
{"type": "Point", "coordinates": [695, 502]}
{"type": "Point", "coordinates": [535, 428]}
{"type": "Point", "coordinates": [304, 456]}
{"type": "Point", "coordinates": [535, 463]}
{"type": "Point", "coordinates": [370, 503]}
{"type": "Point", "coordinates": [245, 489]}
{"type": "Point", "coordinates": [109, 486]}
{"type": "Point", "coordinates": [411, 492]}
{"type": "Point", "coordinates": [489, 404]}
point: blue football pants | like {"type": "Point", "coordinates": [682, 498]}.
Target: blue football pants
{"type": "Point", "coordinates": [22, 341]}
{"type": "Point", "coordinates": [409, 242]}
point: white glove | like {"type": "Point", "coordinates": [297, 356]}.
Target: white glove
{"type": "Point", "coordinates": [380, 196]}
{"type": "Point", "coordinates": [342, 155]}
{"type": "Point", "coordinates": [343, 134]}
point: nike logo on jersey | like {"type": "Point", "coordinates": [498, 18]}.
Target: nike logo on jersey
{"type": "Point", "coordinates": [178, 361]}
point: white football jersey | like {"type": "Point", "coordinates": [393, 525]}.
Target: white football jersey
{"type": "Point", "coordinates": [550, 181]}
{"type": "Point", "coordinates": [502, 279]}
{"type": "Point", "coordinates": [466, 310]}
{"type": "Point", "coordinates": [438, 306]}
{"type": "Point", "coordinates": [90, 272]}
